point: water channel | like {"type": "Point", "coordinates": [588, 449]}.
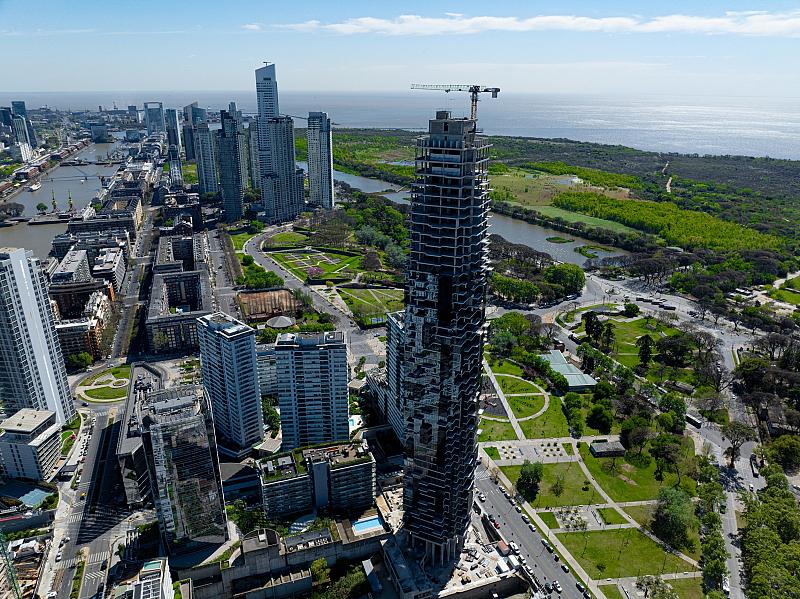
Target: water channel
{"type": "Point", "coordinates": [82, 182]}
{"type": "Point", "coordinates": [515, 231]}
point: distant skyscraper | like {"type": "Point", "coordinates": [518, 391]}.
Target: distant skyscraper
{"type": "Point", "coordinates": [173, 128]}
{"type": "Point", "coordinates": [18, 108]}
{"type": "Point", "coordinates": [320, 159]}
{"type": "Point", "coordinates": [20, 129]}
{"type": "Point", "coordinates": [206, 156]}
{"type": "Point", "coordinates": [237, 117]}
{"type": "Point", "coordinates": [181, 452]}
{"type": "Point", "coordinates": [312, 377]}
{"type": "Point", "coordinates": [154, 117]}
{"type": "Point", "coordinates": [282, 185]}
{"type": "Point", "coordinates": [32, 373]}
{"type": "Point", "coordinates": [443, 327]}
{"type": "Point", "coordinates": [188, 141]}
{"type": "Point", "coordinates": [280, 191]}
{"type": "Point", "coordinates": [252, 150]}
{"type": "Point", "coordinates": [6, 116]}
{"type": "Point", "coordinates": [230, 380]}
{"type": "Point", "coordinates": [193, 114]}
{"type": "Point", "coordinates": [231, 166]}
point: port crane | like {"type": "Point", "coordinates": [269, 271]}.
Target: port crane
{"type": "Point", "coordinates": [473, 90]}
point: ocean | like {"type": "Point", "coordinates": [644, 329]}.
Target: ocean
{"type": "Point", "coordinates": [751, 126]}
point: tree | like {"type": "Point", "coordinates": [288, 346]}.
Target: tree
{"type": "Point", "coordinates": [41, 207]}
{"type": "Point", "coordinates": [79, 361]}
{"type": "Point", "coordinates": [645, 344]}
{"type": "Point", "coordinates": [635, 432]}
{"type": "Point", "coordinates": [247, 260]}
{"type": "Point", "coordinates": [674, 518]}
{"type": "Point", "coordinates": [608, 336]}
{"type": "Point", "coordinates": [320, 570]}
{"type": "Point", "coordinates": [395, 255]}
{"type": "Point", "coordinates": [530, 476]}
{"type": "Point", "coordinates": [655, 588]}
{"type": "Point", "coordinates": [737, 433]}
{"type": "Point", "coordinates": [631, 310]}
{"type": "Point", "coordinates": [503, 342]}
{"type": "Point", "coordinates": [569, 276]}
{"type": "Point", "coordinates": [785, 450]}
{"type": "Point", "coordinates": [557, 488]}
{"type": "Point", "coordinates": [666, 450]}
{"type": "Point", "coordinates": [591, 324]}
{"type": "Point", "coordinates": [674, 349]}
{"type": "Point", "coordinates": [601, 418]}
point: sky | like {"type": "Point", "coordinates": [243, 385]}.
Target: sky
{"type": "Point", "coordinates": [638, 48]}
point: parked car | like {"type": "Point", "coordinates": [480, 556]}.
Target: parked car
{"type": "Point", "coordinates": [514, 547]}
{"type": "Point", "coordinates": [557, 586]}
{"type": "Point", "coordinates": [565, 568]}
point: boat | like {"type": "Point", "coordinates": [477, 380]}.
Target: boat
{"type": "Point", "coordinates": [35, 187]}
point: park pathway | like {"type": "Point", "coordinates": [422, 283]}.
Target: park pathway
{"type": "Point", "coordinates": [502, 396]}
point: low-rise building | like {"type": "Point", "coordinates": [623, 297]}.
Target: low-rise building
{"type": "Point", "coordinates": [85, 334]}
{"type": "Point", "coordinates": [153, 582]}
{"type": "Point", "coordinates": [30, 443]}
{"type": "Point", "coordinates": [110, 265]}
{"type": "Point", "coordinates": [338, 478]}
{"type": "Point", "coordinates": [73, 268]}
{"type": "Point", "coordinates": [177, 300]}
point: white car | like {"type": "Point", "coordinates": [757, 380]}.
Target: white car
{"type": "Point", "coordinates": [58, 556]}
{"type": "Point", "coordinates": [557, 586]}
{"type": "Point", "coordinates": [514, 547]}
{"type": "Point", "coordinates": [482, 497]}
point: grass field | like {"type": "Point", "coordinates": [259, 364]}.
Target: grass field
{"type": "Point", "coordinates": [510, 385]}
{"type": "Point", "coordinates": [788, 296]}
{"type": "Point", "coordinates": [551, 424]}
{"type": "Point", "coordinates": [528, 188]}
{"type": "Point", "coordinates": [628, 482]}
{"type": "Point", "coordinates": [239, 239]}
{"type": "Point", "coordinates": [610, 515]}
{"type": "Point", "coordinates": [643, 514]}
{"type": "Point", "coordinates": [500, 366]}
{"type": "Point", "coordinates": [688, 588]}
{"type": "Point", "coordinates": [333, 266]}
{"type": "Point", "coordinates": [492, 452]}
{"type": "Point", "coordinates": [525, 405]}
{"type": "Point", "coordinates": [106, 392]}
{"type": "Point", "coordinates": [372, 302]}
{"type": "Point", "coordinates": [492, 430]}
{"type": "Point", "coordinates": [620, 553]}
{"type": "Point", "coordinates": [288, 238]}
{"type": "Point", "coordinates": [575, 217]}
{"type": "Point", "coordinates": [118, 372]}
{"type": "Point", "coordinates": [573, 481]}
{"type": "Point", "coordinates": [611, 591]}
{"type": "Point", "coordinates": [189, 172]}
{"type": "Point", "coordinates": [549, 518]}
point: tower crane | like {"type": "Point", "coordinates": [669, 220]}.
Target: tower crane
{"type": "Point", "coordinates": [473, 90]}
{"type": "Point", "coordinates": [305, 118]}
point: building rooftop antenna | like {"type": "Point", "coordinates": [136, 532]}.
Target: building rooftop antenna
{"type": "Point", "coordinates": [473, 90]}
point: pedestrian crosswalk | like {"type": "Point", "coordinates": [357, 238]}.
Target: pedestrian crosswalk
{"type": "Point", "coordinates": [99, 575]}
{"type": "Point", "coordinates": [97, 558]}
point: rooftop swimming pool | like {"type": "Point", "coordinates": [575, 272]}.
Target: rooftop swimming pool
{"type": "Point", "coordinates": [366, 525]}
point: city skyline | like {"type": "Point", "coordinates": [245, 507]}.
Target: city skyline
{"type": "Point", "coordinates": [620, 47]}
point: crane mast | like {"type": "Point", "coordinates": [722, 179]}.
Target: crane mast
{"type": "Point", "coordinates": [473, 90]}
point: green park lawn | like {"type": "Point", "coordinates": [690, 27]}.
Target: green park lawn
{"type": "Point", "coordinates": [688, 588]}
{"type": "Point", "coordinates": [628, 482]}
{"type": "Point", "coordinates": [501, 366]}
{"type": "Point", "coordinates": [288, 238]}
{"type": "Point", "coordinates": [568, 448]}
{"type": "Point", "coordinates": [118, 372]}
{"type": "Point", "coordinates": [549, 425]}
{"type": "Point", "coordinates": [549, 518]}
{"type": "Point", "coordinates": [575, 217]}
{"type": "Point", "coordinates": [239, 239]}
{"type": "Point", "coordinates": [786, 295]}
{"type": "Point", "coordinates": [189, 172]}
{"type": "Point", "coordinates": [511, 385]}
{"type": "Point", "coordinates": [574, 482]}
{"type": "Point", "coordinates": [611, 591]}
{"type": "Point", "coordinates": [611, 516]}
{"type": "Point", "coordinates": [643, 514]}
{"type": "Point", "coordinates": [620, 553]}
{"type": "Point", "coordinates": [334, 266]}
{"type": "Point", "coordinates": [366, 302]}
{"type": "Point", "coordinates": [492, 430]}
{"type": "Point", "coordinates": [525, 405]}
{"type": "Point", "coordinates": [105, 393]}
{"type": "Point", "coordinates": [492, 452]}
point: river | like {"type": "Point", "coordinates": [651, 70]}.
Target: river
{"type": "Point", "coordinates": [63, 181]}
{"type": "Point", "coordinates": [515, 231]}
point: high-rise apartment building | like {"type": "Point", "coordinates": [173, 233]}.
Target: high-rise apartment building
{"type": "Point", "coordinates": [254, 168]}
{"type": "Point", "coordinates": [230, 380]}
{"type": "Point", "coordinates": [173, 128]}
{"type": "Point", "coordinates": [231, 166]}
{"type": "Point", "coordinates": [20, 129]}
{"type": "Point", "coordinates": [282, 184]}
{"type": "Point", "coordinates": [236, 114]}
{"type": "Point", "coordinates": [5, 116]}
{"type": "Point", "coordinates": [312, 376]}
{"type": "Point", "coordinates": [206, 156]}
{"type": "Point", "coordinates": [181, 451]}
{"type": "Point", "coordinates": [32, 372]}
{"type": "Point", "coordinates": [154, 117]}
{"type": "Point", "coordinates": [18, 108]}
{"type": "Point", "coordinates": [281, 180]}
{"type": "Point", "coordinates": [443, 327]}
{"type": "Point", "coordinates": [193, 114]}
{"type": "Point", "coordinates": [320, 160]}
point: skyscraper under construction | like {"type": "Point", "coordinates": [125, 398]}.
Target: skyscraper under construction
{"type": "Point", "coordinates": [445, 304]}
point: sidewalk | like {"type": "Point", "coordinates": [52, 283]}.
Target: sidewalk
{"type": "Point", "coordinates": [511, 418]}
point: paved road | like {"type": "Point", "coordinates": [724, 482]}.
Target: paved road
{"type": "Point", "coordinates": [514, 528]}
{"type": "Point", "coordinates": [224, 292]}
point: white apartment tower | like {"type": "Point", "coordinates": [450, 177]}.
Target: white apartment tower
{"type": "Point", "coordinates": [230, 380]}
{"type": "Point", "coordinates": [312, 376]}
{"type": "Point", "coordinates": [281, 180]}
{"type": "Point", "coordinates": [32, 373]}
{"type": "Point", "coordinates": [206, 154]}
{"type": "Point", "coordinates": [320, 159]}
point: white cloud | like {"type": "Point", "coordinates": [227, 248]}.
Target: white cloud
{"type": "Point", "coordinates": [757, 23]}
{"type": "Point", "coordinates": [253, 26]}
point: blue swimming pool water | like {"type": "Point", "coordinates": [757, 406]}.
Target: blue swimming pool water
{"type": "Point", "coordinates": [367, 524]}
